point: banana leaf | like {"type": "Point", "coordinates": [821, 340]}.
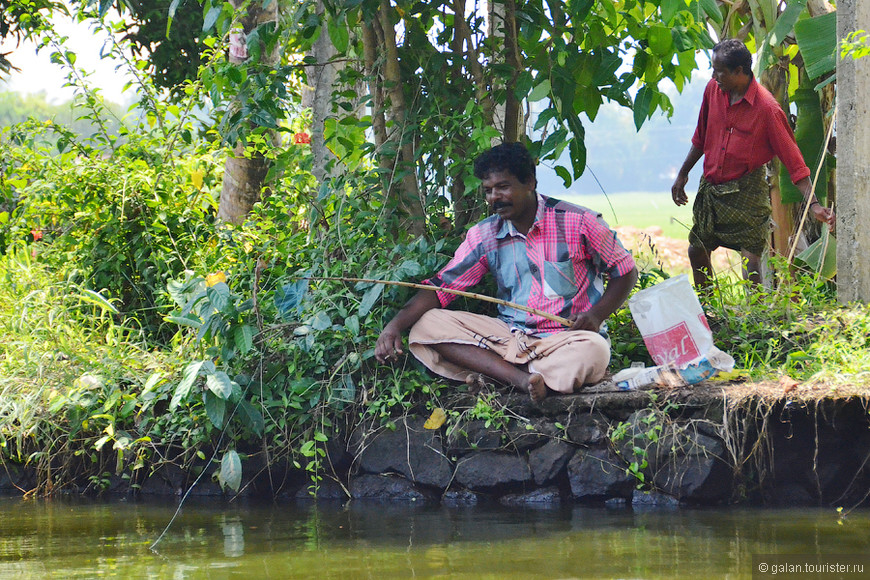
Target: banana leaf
{"type": "Point", "coordinates": [817, 39]}
{"type": "Point", "coordinates": [820, 256]}
{"type": "Point", "coordinates": [810, 135]}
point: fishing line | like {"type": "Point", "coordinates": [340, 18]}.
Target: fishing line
{"type": "Point", "coordinates": [196, 481]}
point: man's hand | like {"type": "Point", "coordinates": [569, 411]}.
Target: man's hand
{"type": "Point", "coordinates": [824, 214]}
{"type": "Point", "coordinates": [678, 189]}
{"type": "Point", "coordinates": [389, 345]}
{"type": "Point", "coordinates": [587, 321]}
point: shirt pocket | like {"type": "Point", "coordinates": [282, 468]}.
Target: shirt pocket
{"type": "Point", "coordinates": [558, 280]}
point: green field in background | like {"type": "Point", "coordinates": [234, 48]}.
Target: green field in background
{"type": "Point", "coordinates": [640, 210]}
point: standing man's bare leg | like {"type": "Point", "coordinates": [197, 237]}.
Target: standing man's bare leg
{"type": "Point", "coordinates": [702, 267]}
{"type": "Point", "coordinates": [751, 267]}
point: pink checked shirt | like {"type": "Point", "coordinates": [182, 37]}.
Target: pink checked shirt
{"type": "Point", "coordinates": [558, 268]}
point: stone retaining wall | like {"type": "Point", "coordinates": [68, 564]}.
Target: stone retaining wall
{"type": "Point", "coordinates": [687, 447]}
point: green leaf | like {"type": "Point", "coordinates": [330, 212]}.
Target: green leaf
{"type": "Point", "coordinates": [670, 9]}
{"type": "Point", "coordinates": [219, 295]}
{"type": "Point", "coordinates": [97, 299]}
{"type": "Point", "coordinates": [369, 298]}
{"type": "Point", "coordinates": [251, 417]}
{"type": "Point", "coordinates": [211, 17]}
{"type": "Point", "coordinates": [338, 34]}
{"type": "Point", "coordinates": [220, 384]}
{"type": "Point", "coordinates": [152, 382]}
{"type": "Point", "coordinates": [231, 470]}
{"type": "Point", "coordinates": [785, 22]}
{"type": "Point", "coordinates": [215, 409]}
{"type": "Point", "coordinates": [821, 256]}
{"type": "Point", "coordinates": [188, 321]}
{"type": "Point", "coordinates": [541, 91]}
{"type": "Point", "coordinates": [642, 103]}
{"type": "Point", "coordinates": [290, 297]}
{"type": "Point", "coordinates": [661, 42]}
{"type": "Point", "coordinates": [243, 336]}
{"type": "Point", "coordinates": [817, 38]}
{"type": "Point", "coordinates": [352, 324]}
{"type": "Point", "coordinates": [321, 321]}
{"type": "Point", "coordinates": [189, 375]}
{"type": "Point", "coordinates": [567, 180]}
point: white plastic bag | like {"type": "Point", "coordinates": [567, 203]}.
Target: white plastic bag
{"type": "Point", "coordinates": [672, 322]}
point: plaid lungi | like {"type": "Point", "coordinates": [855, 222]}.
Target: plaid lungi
{"type": "Point", "coordinates": [734, 214]}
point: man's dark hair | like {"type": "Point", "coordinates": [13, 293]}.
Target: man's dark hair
{"type": "Point", "coordinates": [734, 54]}
{"type": "Point", "coordinates": [511, 157]}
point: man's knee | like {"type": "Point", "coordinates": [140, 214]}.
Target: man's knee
{"type": "Point", "coordinates": [593, 351]}
{"type": "Point", "coordinates": [431, 319]}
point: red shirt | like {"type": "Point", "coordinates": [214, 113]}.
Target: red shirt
{"type": "Point", "coordinates": [738, 139]}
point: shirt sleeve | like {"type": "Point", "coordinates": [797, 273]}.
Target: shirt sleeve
{"type": "Point", "coordinates": [700, 135]}
{"type": "Point", "coordinates": [467, 267]}
{"type": "Point", "coordinates": [785, 147]}
{"type": "Point", "coordinates": [603, 247]}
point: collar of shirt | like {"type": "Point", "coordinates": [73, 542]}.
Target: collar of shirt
{"type": "Point", "coordinates": [507, 227]}
{"type": "Point", "coordinates": [749, 96]}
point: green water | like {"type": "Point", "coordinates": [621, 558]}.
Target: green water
{"type": "Point", "coordinates": [77, 539]}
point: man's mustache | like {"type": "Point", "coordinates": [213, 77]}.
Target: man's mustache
{"type": "Point", "coordinates": [499, 205]}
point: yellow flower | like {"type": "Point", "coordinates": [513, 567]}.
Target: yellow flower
{"type": "Point", "coordinates": [215, 278]}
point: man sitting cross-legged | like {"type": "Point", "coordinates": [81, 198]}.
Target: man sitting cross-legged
{"type": "Point", "coordinates": [545, 254]}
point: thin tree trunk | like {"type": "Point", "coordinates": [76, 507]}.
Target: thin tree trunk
{"type": "Point", "coordinates": [245, 174]}
{"type": "Point", "coordinates": [370, 54]}
{"type": "Point", "coordinates": [408, 194]}
{"type": "Point", "coordinates": [321, 78]}
{"type": "Point", "coordinates": [465, 207]}
{"type": "Point", "coordinates": [827, 100]}
{"type": "Point", "coordinates": [774, 80]}
{"type": "Point", "coordinates": [513, 114]}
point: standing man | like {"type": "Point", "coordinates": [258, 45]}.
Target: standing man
{"type": "Point", "coordinates": [545, 254]}
{"type": "Point", "coordinates": [740, 128]}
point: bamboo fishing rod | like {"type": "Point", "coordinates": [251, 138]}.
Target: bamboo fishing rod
{"type": "Point", "coordinates": [485, 298]}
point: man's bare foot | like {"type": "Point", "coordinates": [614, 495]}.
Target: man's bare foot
{"type": "Point", "coordinates": [476, 383]}
{"type": "Point", "coordinates": [537, 387]}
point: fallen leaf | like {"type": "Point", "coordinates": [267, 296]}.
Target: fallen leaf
{"type": "Point", "coordinates": [436, 419]}
{"type": "Point", "coordinates": [787, 383]}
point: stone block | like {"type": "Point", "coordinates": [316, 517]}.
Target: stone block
{"type": "Point", "coordinates": [549, 461]}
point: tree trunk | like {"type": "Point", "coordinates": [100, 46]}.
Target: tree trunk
{"type": "Point", "coordinates": [503, 32]}
{"type": "Point", "coordinates": [466, 209]}
{"type": "Point", "coordinates": [244, 173]}
{"type": "Point", "coordinates": [321, 79]}
{"type": "Point", "coordinates": [514, 128]}
{"type": "Point", "coordinates": [404, 191]}
{"type": "Point", "coordinates": [774, 80]}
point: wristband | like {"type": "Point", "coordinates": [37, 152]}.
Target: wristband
{"type": "Point", "coordinates": [815, 201]}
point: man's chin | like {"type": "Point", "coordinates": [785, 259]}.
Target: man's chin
{"type": "Point", "coordinates": [502, 212]}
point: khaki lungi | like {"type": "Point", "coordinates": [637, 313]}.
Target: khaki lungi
{"type": "Point", "coordinates": [567, 360]}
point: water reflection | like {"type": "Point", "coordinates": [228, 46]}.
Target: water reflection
{"type": "Point", "coordinates": [76, 539]}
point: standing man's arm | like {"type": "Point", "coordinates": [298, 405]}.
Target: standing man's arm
{"type": "Point", "coordinates": [678, 189]}
{"type": "Point", "coordinates": [614, 296]}
{"type": "Point", "coordinates": [818, 211]}
{"type": "Point", "coordinates": [389, 343]}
